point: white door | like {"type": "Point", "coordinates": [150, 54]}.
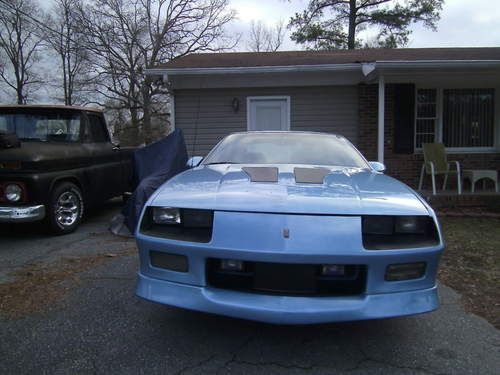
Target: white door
{"type": "Point", "coordinates": [268, 113]}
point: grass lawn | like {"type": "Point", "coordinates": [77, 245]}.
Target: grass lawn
{"type": "Point", "coordinates": [471, 263]}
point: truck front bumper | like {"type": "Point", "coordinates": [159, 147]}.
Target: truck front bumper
{"type": "Point", "coordinates": [11, 214]}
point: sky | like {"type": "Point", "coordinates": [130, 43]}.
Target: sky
{"type": "Point", "coordinates": [464, 23]}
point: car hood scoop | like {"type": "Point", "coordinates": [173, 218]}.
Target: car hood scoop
{"type": "Point", "coordinates": [262, 174]}
{"type": "Point", "coordinates": [301, 175]}
{"type": "Point", "coordinates": [310, 175]}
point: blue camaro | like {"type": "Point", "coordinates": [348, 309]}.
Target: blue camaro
{"type": "Point", "coordinates": [289, 227]}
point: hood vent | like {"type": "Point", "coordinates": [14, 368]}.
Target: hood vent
{"type": "Point", "coordinates": [262, 174]}
{"type": "Point", "coordinates": [310, 175]}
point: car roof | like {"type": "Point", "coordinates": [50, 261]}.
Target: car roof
{"type": "Point", "coordinates": [287, 132]}
{"type": "Point", "coordinates": [49, 106]}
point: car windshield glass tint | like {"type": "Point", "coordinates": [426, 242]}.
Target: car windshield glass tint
{"type": "Point", "coordinates": [57, 127]}
{"type": "Point", "coordinates": [286, 148]}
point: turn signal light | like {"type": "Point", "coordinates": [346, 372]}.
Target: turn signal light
{"type": "Point", "coordinates": [168, 261]}
{"type": "Point", "coordinates": [10, 165]}
{"type": "Point", "coordinates": [405, 271]}
{"type": "Point", "coordinates": [333, 270]}
{"type": "Point", "coordinates": [231, 265]}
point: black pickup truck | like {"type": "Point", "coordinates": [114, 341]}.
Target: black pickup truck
{"type": "Point", "coordinates": [55, 162]}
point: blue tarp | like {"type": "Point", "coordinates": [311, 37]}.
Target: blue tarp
{"type": "Point", "coordinates": [153, 165]}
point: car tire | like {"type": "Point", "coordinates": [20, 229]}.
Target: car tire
{"type": "Point", "coordinates": [65, 209]}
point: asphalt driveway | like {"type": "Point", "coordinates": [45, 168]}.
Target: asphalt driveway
{"type": "Point", "coordinates": [95, 324]}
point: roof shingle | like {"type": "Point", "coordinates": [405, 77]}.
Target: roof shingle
{"type": "Point", "coordinates": [290, 58]}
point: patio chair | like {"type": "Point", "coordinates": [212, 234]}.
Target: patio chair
{"type": "Point", "coordinates": [435, 163]}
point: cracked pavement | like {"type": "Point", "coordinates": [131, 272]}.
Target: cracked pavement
{"type": "Point", "coordinates": [99, 327]}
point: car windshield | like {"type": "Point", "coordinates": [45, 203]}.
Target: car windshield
{"type": "Point", "coordinates": [286, 148]}
{"type": "Point", "coordinates": [43, 126]}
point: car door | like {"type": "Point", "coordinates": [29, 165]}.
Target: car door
{"type": "Point", "coordinates": [106, 172]}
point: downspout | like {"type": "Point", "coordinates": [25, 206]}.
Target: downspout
{"type": "Point", "coordinates": [171, 103]}
{"type": "Point", "coordinates": [368, 70]}
{"type": "Point", "coordinates": [381, 118]}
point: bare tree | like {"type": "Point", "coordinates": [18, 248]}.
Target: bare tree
{"type": "Point", "coordinates": [124, 37]}
{"type": "Point", "coordinates": [63, 37]}
{"type": "Point", "coordinates": [19, 43]}
{"type": "Point", "coordinates": [265, 39]}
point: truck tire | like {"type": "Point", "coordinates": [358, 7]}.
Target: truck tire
{"type": "Point", "coordinates": [65, 209]}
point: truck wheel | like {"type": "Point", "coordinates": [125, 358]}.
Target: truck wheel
{"type": "Point", "coordinates": [65, 209]}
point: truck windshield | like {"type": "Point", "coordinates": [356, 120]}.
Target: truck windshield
{"type": "Point", "coordinates": [51, 127]}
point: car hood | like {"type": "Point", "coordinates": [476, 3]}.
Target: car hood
{"type": "Point", "coordinates": [344, 191]}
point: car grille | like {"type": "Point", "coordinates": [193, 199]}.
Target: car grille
{"type": "Point", "coordinates": [286, 279]}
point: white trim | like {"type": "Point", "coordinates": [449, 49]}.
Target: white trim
{"type": "Point", "coordinates": [270, 97]}
{"type": "Point", "coordinates": [436, 119]}
{"type": "Point", "coordinates": [253, 69]}
{"type": "Point", "coordinates": [381, 119]}
{"type": "Point", "coordinates": [433, 64]}
{"type": "Point", "coordinates": [374, 65]}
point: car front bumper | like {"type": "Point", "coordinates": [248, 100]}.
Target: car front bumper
{"type": "Point", "coordinates": [287, 309]}
{"type": "Point", "coordinates": [313, 240]}
{"type": "Point", "coordinates": [17, 214]}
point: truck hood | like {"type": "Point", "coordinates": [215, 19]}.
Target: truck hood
{"type": "Point", "coordinates": [343, 191]}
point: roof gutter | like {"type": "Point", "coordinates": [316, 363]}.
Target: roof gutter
{"type": "Point", "coordinates": [366, 68]}
{"type": "Point", "coordinates": [253, 69]}
{"type": "Point", "coordinates": [434, 64]}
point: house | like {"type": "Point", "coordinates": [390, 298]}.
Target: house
{"type": "Point", "coordinates": [385, 101]}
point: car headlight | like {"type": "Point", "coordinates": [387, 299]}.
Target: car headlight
{"type": "Point", "coordinates": [410, 224]}
{"type": "Point", "coordinates": [166, 215]}
{"type": "Point", "coordinates": [13, 192]}
{"type": "Point", "coordinates": [393, 232]}
{"type": "Point", "coordinates": [182, 224]}
{"type": "Point", "coordinates": [387, 225]}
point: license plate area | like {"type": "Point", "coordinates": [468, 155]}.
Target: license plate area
{"type": "Point", "coordinates": [285, 278]}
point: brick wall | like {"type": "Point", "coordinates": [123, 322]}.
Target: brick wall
{"type": "Point", "coordinates": [405, 167]}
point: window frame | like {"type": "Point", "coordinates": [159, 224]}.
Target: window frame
{"type": "Point", "coordinates": [438, 134]}
{"type": "Point", "coordinates": [271, 97]}
{"type": "Point", "coordinates": [104, 128]}
{"type": "Point", "coordinates": [437, 129]}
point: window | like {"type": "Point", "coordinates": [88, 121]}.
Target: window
{"type": "Point", "coordinates": [468, 118]}
{"type": "Point", "coordinates": [98, 129]}
{"type": "Point", "coordinates": [268, 113]}
{"type": "Point", "coordinates": [47, 126]}
{"type": "Point", "coordinates": [426, 117]}
{"type": "Point", "coordinates": [459, 118]}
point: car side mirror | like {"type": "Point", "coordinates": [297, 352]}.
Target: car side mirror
{"type": "Point", "coordinates": [377, 166]}
{"type": "Point", "coordinates": [194, 161]}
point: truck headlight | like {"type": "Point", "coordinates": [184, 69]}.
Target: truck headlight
{"type": "Point", "coordinates": [13, 192]}
{"type": "Point", "coordinates": [166, 215]}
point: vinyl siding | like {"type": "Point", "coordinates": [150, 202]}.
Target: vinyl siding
{"type": "Point", "coordinates": [206, 115]}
